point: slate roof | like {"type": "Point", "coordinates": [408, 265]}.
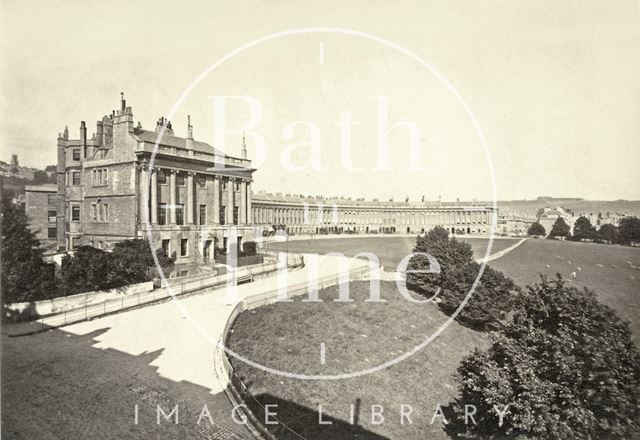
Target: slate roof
{"type": "Point", "coordinates": [175, 141]}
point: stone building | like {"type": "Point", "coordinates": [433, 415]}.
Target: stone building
{"type": "Point", "coordinates": [111, 187]}
{"type": "Point", "coordinates": [40, 207]}
{"type": "Point", "coordinates": [308, 215]}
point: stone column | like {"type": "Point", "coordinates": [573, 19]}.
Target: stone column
{"type": "Point", "coordinates": [172, 197]}
{"type": "Point", "coordinates": [144, 190]}
{"type": "Point", "coordinates": [154, 196]}
{"type": "Point", "coordinates": [242, 214]}
{"type": "Point", "coordinates": [230, 191]}
{"type": "Point", "coordinates": [216, 200]}
{"type": "Point", "coordinates": [250, 218]}
{"type": "Point", "coordinates": [190, 205]}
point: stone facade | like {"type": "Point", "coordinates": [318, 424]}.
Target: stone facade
{"type": "Point", "coordinates": [307, 215]}
{"type": "Point", "coordinates": [190, 197]}
{"type": "Point", "coordinates": [40, 207]}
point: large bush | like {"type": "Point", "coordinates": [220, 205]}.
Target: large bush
{"type": "Point", "coordinates": [94, 269]}
{"type": "Point", "coordinates": [491, 304]}
{"type": "Point", "coordinates": [565, 365]}
{"type": "Point", "coordinates": [493, 298]}
{"type": "Point", "coordinates": [450, 253]}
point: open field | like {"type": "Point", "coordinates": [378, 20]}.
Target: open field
{"type": "Point", "coordinates": [606, 269]}
{"type": "Point", "coordinates": [390, 250]}
{"type": "Point", "coordinates": [357, 335]}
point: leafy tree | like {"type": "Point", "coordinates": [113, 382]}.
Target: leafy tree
{"type": "Point", "coordinates": [490, 305]}
{"type": "Point", "coordinates": [25, 276]}
{"type": "Point", "coordinates": [582, 229]}
{"type": "Point", "coordinates": [449, 253]}
{"type": "Point", "coordinates": [630, 229]}
{"type": "Point", "coordinates": [609, 232]}
{"type": "Point", "coordinates": [132, 260]}
{"type": "Point", "coordinates": [560, 228]}
{"type": "Point", "coordinates": [536, 229]}
{"type": "Point", "coordinates": [41, 177]}
{"type": "Point", "coordinates": [565, 365]}
{"type": "Point", "coordinates": [494, 294]}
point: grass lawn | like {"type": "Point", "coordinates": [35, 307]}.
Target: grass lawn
{"type": "Point", "coordinates": [606, 269]}
{"type": "Point", "coordinates": [360, 335]}
{"type": "Point", "coordinates": [390, 250]}
{"type": "Point", "coordinates": [357, 335]}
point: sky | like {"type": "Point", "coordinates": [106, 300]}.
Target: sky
{"type": "Point", "coordinates": [553, 86]}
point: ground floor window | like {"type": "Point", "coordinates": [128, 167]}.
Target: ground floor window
{"type": "Point", "coordinates": [52, 233]}
{"type": "Point", "coordinates": [166, 246]}
{"type": "Point", "coordinates": [184, 247]}
{"type": "Point", "coordinates": [75, 242]}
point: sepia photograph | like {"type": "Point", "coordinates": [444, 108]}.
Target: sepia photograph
{"type": "Point", "coordinates": [320, 220]}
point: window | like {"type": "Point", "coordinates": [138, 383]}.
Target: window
{"type": "Point", "coordinates": [223, 215]}
{"type": "Point", "coordinates": [76, 154]}
{"type": "Point", "coordinates": [162, 214]}
{"type": "Point", "coordinates": [52, 216]}
{"type": "Point", "coordinates": [235, 215]}
{"type": "Point", "coordinates": [75, 242]}
{"type": "Point", "coordinates": [184, 245]}
{"type": "Point", "coordinates": [75, 178]}
{"type": "Point", "coordinates": [100, 177]}
{"type": "Point", "coordinates": [166, 246]}
{"type": "Point", "coordinates": [180, 214]}
{"type": "Point", "coordinates": [75, 213]}
{"type": "Point", "coordinates": [106, 212]}
{"type": "Point", "coordinates": [203, 214]}
{"type": "Point", "coordinates": [52, 199]}
{"type": "Point", "coordinates": [52, 233]}
{"type": "Point", "coordinates": [162, 177]}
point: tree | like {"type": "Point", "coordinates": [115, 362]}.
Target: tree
{"type": "Point", "coordinates": [494, 294]}
{"type": "Point", "coordinates": [582, 229]}
{"type": "Point", "coordinates": [560, 228]}
{"type": "Point", "coordinates": [132, 260]}
{"type": "Point", "coordinates": [25, 276]}
{"type": "Point", "coordinates": [566, 366]}
{"type": "Point", "coordinates": [609, 233]}
{"type": "Point", "coordinates": [629, 229]}
{"type": "Point", "coordinates": [449, 253]}
{"type": "Point", "coordinates": [491, 303]}
{"type": "Point", "coordinates": [536, 229]}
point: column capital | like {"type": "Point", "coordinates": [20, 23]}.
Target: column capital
{"type": "Point", "coordinates": [173, 171]}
